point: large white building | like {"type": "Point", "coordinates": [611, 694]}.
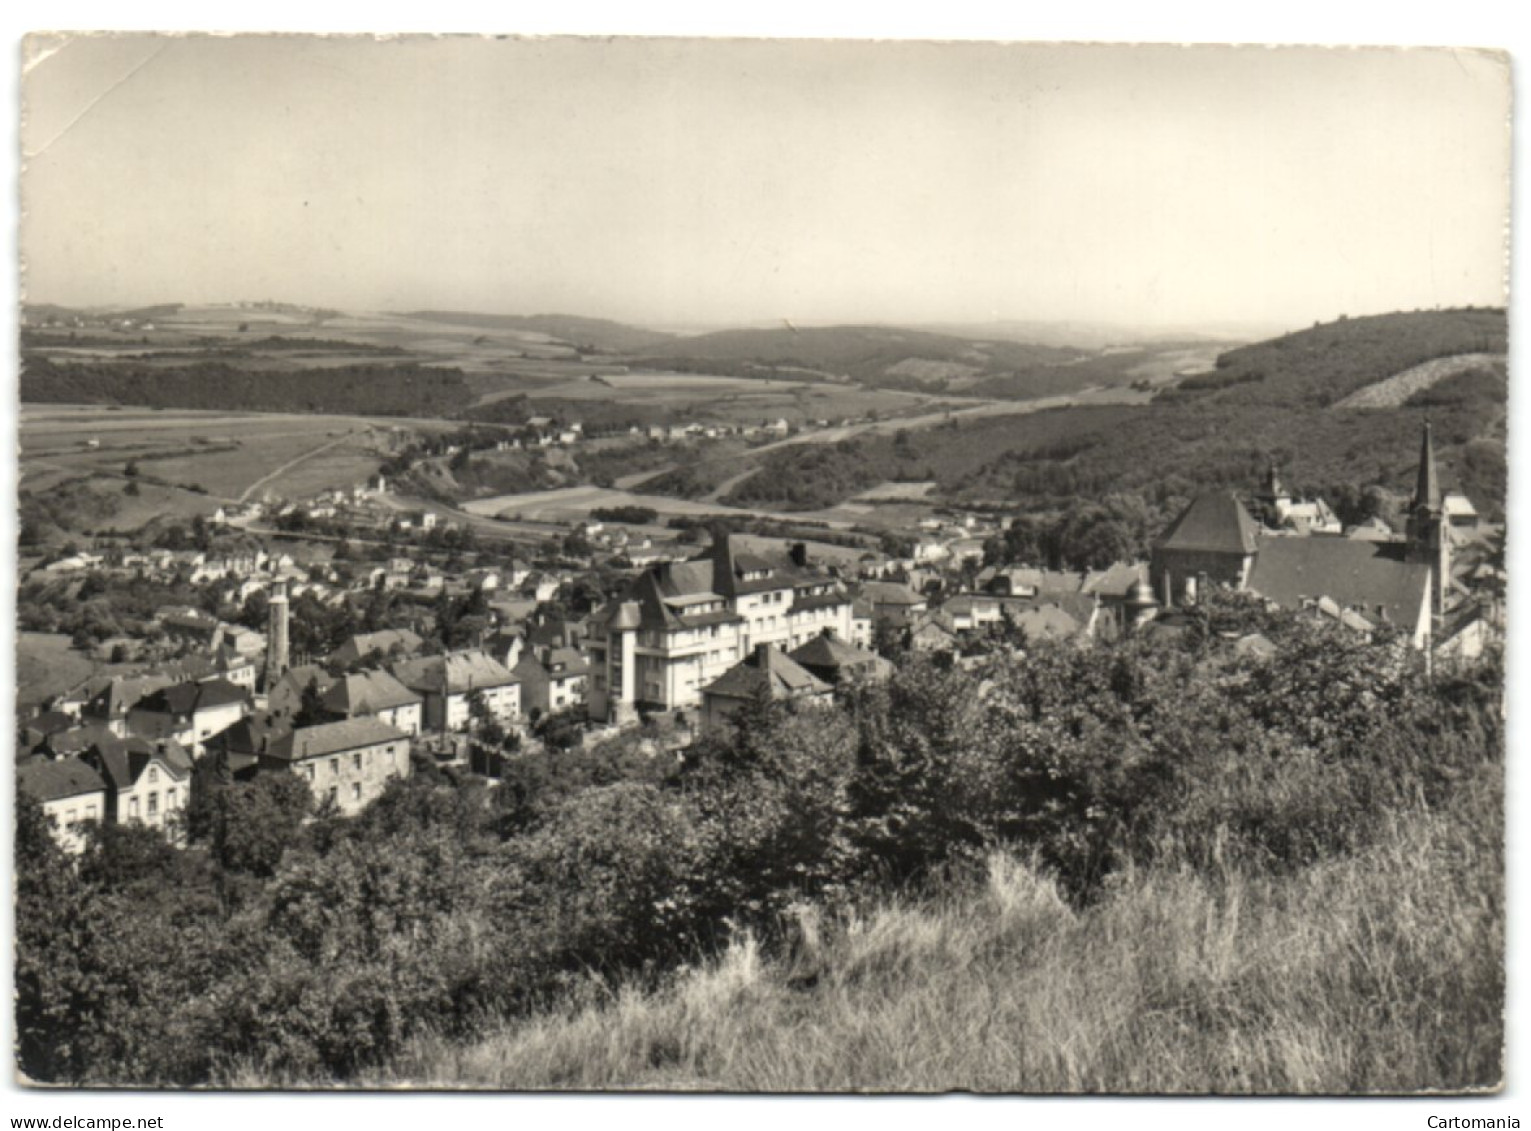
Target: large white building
{"type": "Point", "coordinates": [681, 625]}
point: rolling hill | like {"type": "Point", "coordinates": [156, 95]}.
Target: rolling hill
{"type": "Point", "coordinates": [1321, 366]}
{"type": "Point", "coordinates": [586, 333]}
{"type": "Point", "coordinates": [1273, 400]}
{"type": "Point", "coordinates": [884, 356]}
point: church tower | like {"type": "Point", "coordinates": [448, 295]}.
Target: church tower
{"type": "Point", "coordinates": [1273, 499]}
{"type": "Point", "coordinates": [1428, 534]}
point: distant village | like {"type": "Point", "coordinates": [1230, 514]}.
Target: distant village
{"type": "Point", "coordinates": [690, 633]}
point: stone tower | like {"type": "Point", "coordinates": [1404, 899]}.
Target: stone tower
{"type": "Point", "coordinates": [1428, 531]}
{"type": "Point", "coordinates": [277, 660]}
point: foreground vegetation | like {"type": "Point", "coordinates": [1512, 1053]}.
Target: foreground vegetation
{"type": "Point", "coordinates": [1287, 867]}
{"type": "Point", "coordinates": [1376, 973]}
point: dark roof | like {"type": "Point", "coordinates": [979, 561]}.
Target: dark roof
{"type": "Point", "coordinates": [1117, 581]}
{"type": "Point", "coordinates": [300, 677]}
{"type": "Point", "coordinates": [364, 644]}
{"type": "Point", "coordinates": [652, 598]}
{"type": "Point", "coordinates": [49, 722]}
{"type": "Point", "coordinates": [809, 601]}
{"type": "Point", "coordinates": [1214, 523]}
{"type": "Point", "coordinates": [1427, 484]}
{"type": "Point", "coordinates": [766, 668]}
{"type": "Point", "coordinates": [121, 761]}
{"type": "Point", "coordinates": [47, 780]}
{"type": "Point", "coordinates": [453, 673]}
{"type": "Point", "coordinates": [1354, 574]}
{"type": "Point", "coordinates": [572, 660]}
{"type": "Point", "coordinates": [249, 736]}
{"type": "Point", "coordinates": [366, 693]}
{"type": "Point", "coordinates": [184, 699]}
{"type": "Point", "coordinates": [333, 738]}
{"type": "Point", "coordinates": [76, 740]}
{"type": "Point", "coordinates": [890, 593]}
{"type": "Point", "coordinates": [120, 696]}
{"type": "Point", "coordinates": [826, 655]}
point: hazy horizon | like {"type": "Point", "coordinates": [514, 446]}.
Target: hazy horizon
{"type": "Point", "coordinates": [713, 183]}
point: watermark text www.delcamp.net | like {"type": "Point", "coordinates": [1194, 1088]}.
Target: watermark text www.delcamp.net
{"type": "Point", "coordinates": [91, 1123]}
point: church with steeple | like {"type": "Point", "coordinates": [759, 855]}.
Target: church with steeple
{"type": "Point", "coordinates": [1404, 583]}
{"type": "Point", "coordinates": [1428, 530]}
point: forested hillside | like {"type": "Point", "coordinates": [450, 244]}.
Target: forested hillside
{"type": "Point", "coordinates": [1317, 367]}
{"type": "Point", "coordinates": [376, 390]}
{"type": "Point", "coordinates": [1266, 403]}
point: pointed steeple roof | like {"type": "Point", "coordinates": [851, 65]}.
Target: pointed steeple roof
{"type": "Point", "coordinates": [651, 603]}
{"type": "Point", "coordinates": [1427, 488]}
{"type": "Point", "coordinates": [1273, 487]}
{"type": "Point", "coordinates": [1216, 523]}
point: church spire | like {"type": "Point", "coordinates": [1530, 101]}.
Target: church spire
{"type": "Point", "coordinates": [1427, 488]}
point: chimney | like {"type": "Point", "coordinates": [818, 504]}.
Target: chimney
{"type": "Point", "coordinates": [799, 554]}
{"type": "Point", "coordinates": [276, 643]}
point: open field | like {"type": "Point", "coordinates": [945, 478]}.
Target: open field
{"type": "Point", "coordinates": [572, 504]}
{"type": "Point", "coordinates": [46, 665]}
{"type": "Point", "coordinates": [1170, 364]}
{"type": "Point", "coordinates": [229, 455]}
{"type": "Point", "coordinates": [222, 453]}
{"type": "Point", "coordinates": [887, 491]}
{"type": "Point", "coordinates": [541, 511]}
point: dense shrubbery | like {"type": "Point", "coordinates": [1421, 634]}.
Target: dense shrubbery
{"type": "Point", "coordinates": [315, 951]}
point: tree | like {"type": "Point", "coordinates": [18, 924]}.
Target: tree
{"type": "Point", "coordinates": [253, 824]}
{"type": "Point", "coordinates": [311, 711]}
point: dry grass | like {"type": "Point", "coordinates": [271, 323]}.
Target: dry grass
{"type": "Point", "coordinates": [1379, 973]}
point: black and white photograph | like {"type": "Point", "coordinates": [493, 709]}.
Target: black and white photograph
{"type": "Point", "coordinates": [759, 566]}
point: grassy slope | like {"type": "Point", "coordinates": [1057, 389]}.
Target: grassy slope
{"type": "Point", "coordinates": [1381, 973]}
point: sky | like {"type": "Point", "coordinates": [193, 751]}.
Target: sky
{"type": "Point", "coordinates": [80, 271]}
{"type": "Point", "coordinates": [694, 181]}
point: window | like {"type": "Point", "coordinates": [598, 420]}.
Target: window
{"type": "Point", "coordinates": [356, 791]}
{"type": "Point", "coordinates": [72, 818]}
{"type": "Point", "coordinates": [169, 799]}
{"type": "Point", "coordinates": [334, 767]}
{"type": "Point", "coordinates": [334, 794]}
{"type": "Point", "coordinates": [90, 811]}
{"type": "Point", "coordinates": [153, 775]}
{"type": "Point", "coordinates": [153, 806]}
{"type": "Point", "coordinates": [132, 808]}
{"type": "Point", "coordinates": [390, 755]}
{"type": "Point", "coordinates": [356, 761]}
{"type": "Point", "coordinates": [309, 771]}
